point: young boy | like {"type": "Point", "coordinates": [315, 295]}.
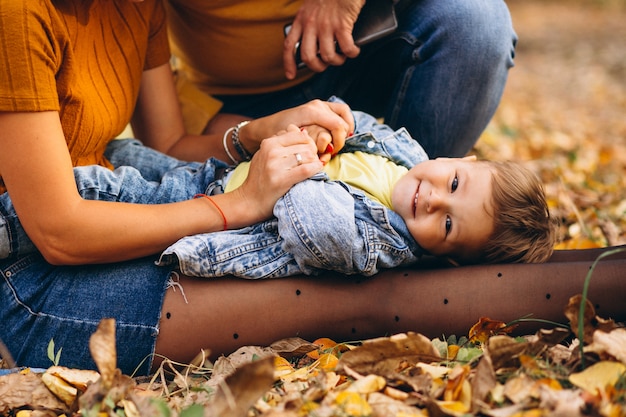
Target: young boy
{"type": "Point", "coordinates": [380, 203]}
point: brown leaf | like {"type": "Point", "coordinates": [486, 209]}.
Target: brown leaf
{"type": "Point", "coordinates": [483, 381]}
{"type": "Point", "coordinates": [591, 322]}
{"type": "Point", "coordinates": [242, 389]}
{"type": "Point", "coordinates": [120, 388]}
{"type": "Point", "coordinates": [293, 346]}
{"type": "Point", "coordinates": [226, 365]}
{"type": "Point", "coordinates": [103, 351]}
{"type": "Point", "coordinates": [485, 328]}
{"type": "Point", "coordinates": [611, 343]}
{"type": "Point", "coordinates": [19, 390]}
{"type": "Point", "coordinates": [385, 356]}
{"type": "Point", "coordinates": [505, 351]}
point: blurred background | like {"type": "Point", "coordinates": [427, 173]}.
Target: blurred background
{"type": "Point", "coordinates": [563, 113]}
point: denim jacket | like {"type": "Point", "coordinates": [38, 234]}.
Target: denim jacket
{"type": "Point", "coordinates": [319, 225]}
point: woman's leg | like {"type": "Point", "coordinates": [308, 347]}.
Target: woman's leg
{"type": "Point", "coordinates": [224, 314]}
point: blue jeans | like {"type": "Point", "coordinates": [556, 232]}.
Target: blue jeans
{"type": "Point", "coordinates": [40, 302]}
{"type": "Point", "coordinates": [441, 74]}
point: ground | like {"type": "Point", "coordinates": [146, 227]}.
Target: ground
{"type": "Point", "coordinates": [563, 112]}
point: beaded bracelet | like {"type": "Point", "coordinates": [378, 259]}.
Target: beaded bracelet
{"type": "Point", "coordinates": [216, 206]}
{"type": "Point", "coordinates": [230, 155]}
{"type": "Point", "coordinates": [243, 152]}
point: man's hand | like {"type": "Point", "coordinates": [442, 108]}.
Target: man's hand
{"type": "Point", "coordinates": [321, 26]}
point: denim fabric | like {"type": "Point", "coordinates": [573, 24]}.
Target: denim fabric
{"type": "Point", "coordinates": [319, 225]}
{"type": "Point", "coordinates": [142, 175]}
{"type": "Point", "coordinates": [40, 302]}
{"type": "Point", "coordinates": [441, 74]}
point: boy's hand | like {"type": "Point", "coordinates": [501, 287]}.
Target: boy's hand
{"type": "Point", "coordinates": [326, 147]}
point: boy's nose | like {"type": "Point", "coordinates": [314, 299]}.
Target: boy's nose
{"type": "Point", "coordinates": [435, 201]}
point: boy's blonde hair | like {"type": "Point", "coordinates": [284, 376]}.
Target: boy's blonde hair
{"type": "Point", "coordinates": [524, 231]}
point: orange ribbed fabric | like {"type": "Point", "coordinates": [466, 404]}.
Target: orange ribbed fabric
{"type": "Point", "coordinates": [83, 58]}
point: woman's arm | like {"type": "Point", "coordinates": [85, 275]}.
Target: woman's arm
{"type": "Point", "coordinates": [157, 122]}
{"type": "Point", "coordinates": [36, 168]}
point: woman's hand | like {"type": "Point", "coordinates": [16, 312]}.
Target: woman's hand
{"type": "Point", "coordinates": [335, 118]}
{"type": "Point", "coordinates": [282, 161]}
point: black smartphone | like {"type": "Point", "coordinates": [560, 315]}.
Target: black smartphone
{"type": "Point", "coordinates": [376, 20]}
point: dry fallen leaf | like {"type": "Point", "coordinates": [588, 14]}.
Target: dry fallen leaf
{"type": "Point", "coordinates": [611, 343]}
{"type": "Point", "coordinates": [19, 390]}
{"type": "Point", "coordinates": [103, 351]}
{"type": "Point", "coordinates": [240, 390]}
{"type": "Point", "coordinates": [485, 328]}
{"type": "Point", "coordinates": [591, 322]}
{"type": "Point", "coordinates": [599, 377]}
{"type": "Point", "coordinates": [386, 355]}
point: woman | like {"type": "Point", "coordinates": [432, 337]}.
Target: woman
{"type": "Point", "coordinates": [73, 72]}
{"type": "Point", "coordinates": [71, 75]}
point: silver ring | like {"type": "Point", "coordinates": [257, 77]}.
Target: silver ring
{"type": "Point", "coordinates": [298, 158]}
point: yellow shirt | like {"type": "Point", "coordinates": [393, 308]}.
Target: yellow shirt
{"type": "Point", "coordinates": [231, 46]}
{"type": "Point", "coordinates": [82, 58]}
{"type": "Point", "coordinates": [227, 47]}
{"type": "Point", "coordinates": [374, 174]}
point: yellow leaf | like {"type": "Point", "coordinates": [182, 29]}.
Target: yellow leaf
{"type": "Point", "coordinates": [598, 376]}
{"type": "Point", "coordinates": [78, 378]}
{"type": "Point", "coordinates": [328, 362]}
{"type": "Point", "coordinates": [282, 367]}
{"type": "Point", "coordinates": [577, 243]}
{"type": "Point", "coordinates": [453, 350]}
{"type": "Point", "coordinates": [307, 408]}
{"type": "Point", "coordinates": [353, 404]}
{"type": "Point", "coordinates": [368, 384]}
{"type": "Point", "coordinates": [324, 344]}
{"type": "Point", "coordinates": [59, 387]}
{"type": "Point", "coordinates": [456, 407]}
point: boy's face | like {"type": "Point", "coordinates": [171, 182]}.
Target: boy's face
{"type": "Point", "coordinates": [446, 204]}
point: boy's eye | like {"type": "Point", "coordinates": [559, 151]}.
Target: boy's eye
{"type": "Point", "coordinates": [448, 225]}
{"type": "Point", "coordinates": [455, 183]}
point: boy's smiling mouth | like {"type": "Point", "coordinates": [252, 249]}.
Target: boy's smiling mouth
{"type": "Point", "coordinates": [417, 192]}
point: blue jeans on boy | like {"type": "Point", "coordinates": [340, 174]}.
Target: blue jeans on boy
{"type": "Point", "coordinates": [441, 74]}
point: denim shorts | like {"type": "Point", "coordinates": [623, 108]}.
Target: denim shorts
{"type": "Point", "coordinates": [42, 302]}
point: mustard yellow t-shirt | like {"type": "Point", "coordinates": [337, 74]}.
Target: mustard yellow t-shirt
{"type": "Point", "coordinates": [82, 58]}
{"type": "Point", "coordinates": [374, 174]}
{"type": "Point", "coordinates": [227, 47]}
{"type": "Point", "coordinates": [232, 46]}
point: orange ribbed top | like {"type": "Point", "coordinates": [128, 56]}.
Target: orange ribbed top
{"type": "Point", "coordinates": [83, 58]}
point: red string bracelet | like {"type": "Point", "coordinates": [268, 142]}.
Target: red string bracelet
{"type": "Point", "coordinates": [216, 206]}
